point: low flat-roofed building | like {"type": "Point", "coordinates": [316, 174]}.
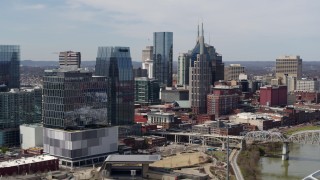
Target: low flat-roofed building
{"type": "Point", "coordinates": [263, 121]}
{"type": "Point", "coordinates": [29, 165]}
{"type": "Point", "coordinates": [109, 170]}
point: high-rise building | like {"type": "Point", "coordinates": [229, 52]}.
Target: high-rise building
{"type": "Point", "coordinates": [147, 54]}
{"type": "Point", "coordinates": [233, 71]}
{"type": "Point", "coordinates": [200, 76]}
{"type": "Point", "coordinates": [222, 101]}
{"type": "Point", "coordinates": [162, 57]}
{"type": "Point", "coordinates": [70, 59]}
{"type": "Point", "coordinates": [9, 66]}
{"type": "Point", "coordinates": [148, 65]}
{"type": "Point", "coordinates": [288, 66]}
{"type": "Point", "coordinates": [183, 69]}
{"type": "Point", "coordinates": [75, 117]}
{"type": "Point", "coordinates": [115, 63]}
{"type": "Point", "coordinates": [146, 91]}
{"type": "Point", "coordinates": [73, 99]}
{"type": "Point", "coordinates": [18, 107]}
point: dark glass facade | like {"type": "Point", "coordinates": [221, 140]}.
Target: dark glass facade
{"type": "Point", "coordinates": [162, 57]}
{"type": "Point", "coordinates": [115, 63]}
{"type": "Point", "coordinates": [18, 107]}
{"type": "Point", "coordinates": [146, 91]}
{"type": "Point", "coordinates": [74, 99]}
{"type": "Point", "coordinates": [9, 66]}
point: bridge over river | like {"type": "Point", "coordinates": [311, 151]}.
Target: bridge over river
{"type": "Point", "coordinates": [301, 137]}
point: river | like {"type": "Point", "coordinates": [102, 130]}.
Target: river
{"type": "Point", "coordinates": [303, 160]}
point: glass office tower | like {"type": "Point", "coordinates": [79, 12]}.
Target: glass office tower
{"type": "Point", "coordinates": [162, 57]}
{"type": "Point", "coordinates": [115, 63]}
{"type": "Point", "coordinates": [9, 66]}
{"type": "Point", "coordinates": [74, 99]}
{"type": "Point", "coordinates": [18, 107]}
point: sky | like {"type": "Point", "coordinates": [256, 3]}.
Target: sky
{"type": "Point", "coordinates": [243, 30]}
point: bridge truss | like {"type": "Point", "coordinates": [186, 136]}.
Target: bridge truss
{"type": "Point", "coordinates": [302, 137]}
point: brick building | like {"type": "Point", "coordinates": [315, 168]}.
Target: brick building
{"type": "Point", "coordinates": [273, 95]}
{"type": "Point", "coordinates": [201, 118]}
{"type": "Point", "coordinates": [42, 163]}
{"type": "Point", "coordinates": [307, 96]}
{"type": "Point", "coordinates": [222, 101]}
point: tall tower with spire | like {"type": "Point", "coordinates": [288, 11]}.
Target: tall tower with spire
{"type": "Point", "coordinates": [200, 75]}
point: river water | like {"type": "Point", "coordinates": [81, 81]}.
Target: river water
{"type": "Point", "coordinates": [303, 160]}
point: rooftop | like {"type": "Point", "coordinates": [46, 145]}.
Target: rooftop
{"type": "Point", "coordinates": [132, 158]}
{"type": "Point", "coordinates": [28, 160]}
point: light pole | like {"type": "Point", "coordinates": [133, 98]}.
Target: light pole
{"type": "Point", "coordinates": [227, 152]}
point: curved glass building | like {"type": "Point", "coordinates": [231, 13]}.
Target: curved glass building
{"type": "Point", "coordinates": [9, 66]}
{"type": "Point", "coordinates": [162, 57]}
{"type": "Point", "coordinates": [115, 63]}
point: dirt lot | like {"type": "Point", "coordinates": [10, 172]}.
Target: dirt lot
{"type": "Point", "coordinates": [180, 160]}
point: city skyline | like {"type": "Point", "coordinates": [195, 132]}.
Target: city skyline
{"type": "Point", "coordinates": [246, 30]}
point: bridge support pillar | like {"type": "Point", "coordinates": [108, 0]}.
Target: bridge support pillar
{"type": "Point", "coordinates": [175, 139]}
{"type": "Point", "coordinates": [224, 145]}
{"type": "Point", "coordinates": [285, 151]}
{"type": "Point", "coordinates": [243, 144]}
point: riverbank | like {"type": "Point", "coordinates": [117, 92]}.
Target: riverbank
{"type": "Point", "coordinates": [298, 128]}
{"type": "Point", "coordinates": [248, 160]}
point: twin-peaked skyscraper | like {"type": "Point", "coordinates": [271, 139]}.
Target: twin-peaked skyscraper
{"type": "Point", "coordinates": [205, 67]}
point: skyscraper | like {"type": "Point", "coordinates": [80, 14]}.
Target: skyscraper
{"type": "Point", "coordinates": [288, 66]}
{"type": "Point", "coordinates": [200, 78]}
{"type": "Point", "coordinates": [115, 63]}
{"type": "Point", "coordinates": [162, 57]}
{"type": "Point", "coordinates": [10, 66]}
{"type": "Point", "coordinates": [183, 69]}
{"type": "Point", "coordinates": [70, 59]}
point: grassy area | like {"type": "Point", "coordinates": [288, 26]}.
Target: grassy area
{"type": "Point", "coordinates": [219, 155]}
{"type": "Point", "coordinates": [248, 160]}
{"type": "Point", "coordinates": [302, 128]}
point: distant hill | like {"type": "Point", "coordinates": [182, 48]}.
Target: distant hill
{"type": "Point", "coordinates": [309, 68]}
{"type": "Point", "coordinates": [55, 63]}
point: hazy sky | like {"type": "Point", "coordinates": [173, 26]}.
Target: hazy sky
{"type": "Point", "coordinates": [239, 29]}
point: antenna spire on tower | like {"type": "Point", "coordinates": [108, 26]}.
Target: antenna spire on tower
{"type": "Point", "coordinates": [198, 30]}
{"type": "Point", "coordinates": [202, 29]}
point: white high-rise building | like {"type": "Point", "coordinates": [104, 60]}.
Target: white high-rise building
{"type": "Point", "coordinates": [147, 54]}
{"type": "Point", "coordinates": [148, 65]}
{"type": "Point", "coordinates": [288, 66]}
